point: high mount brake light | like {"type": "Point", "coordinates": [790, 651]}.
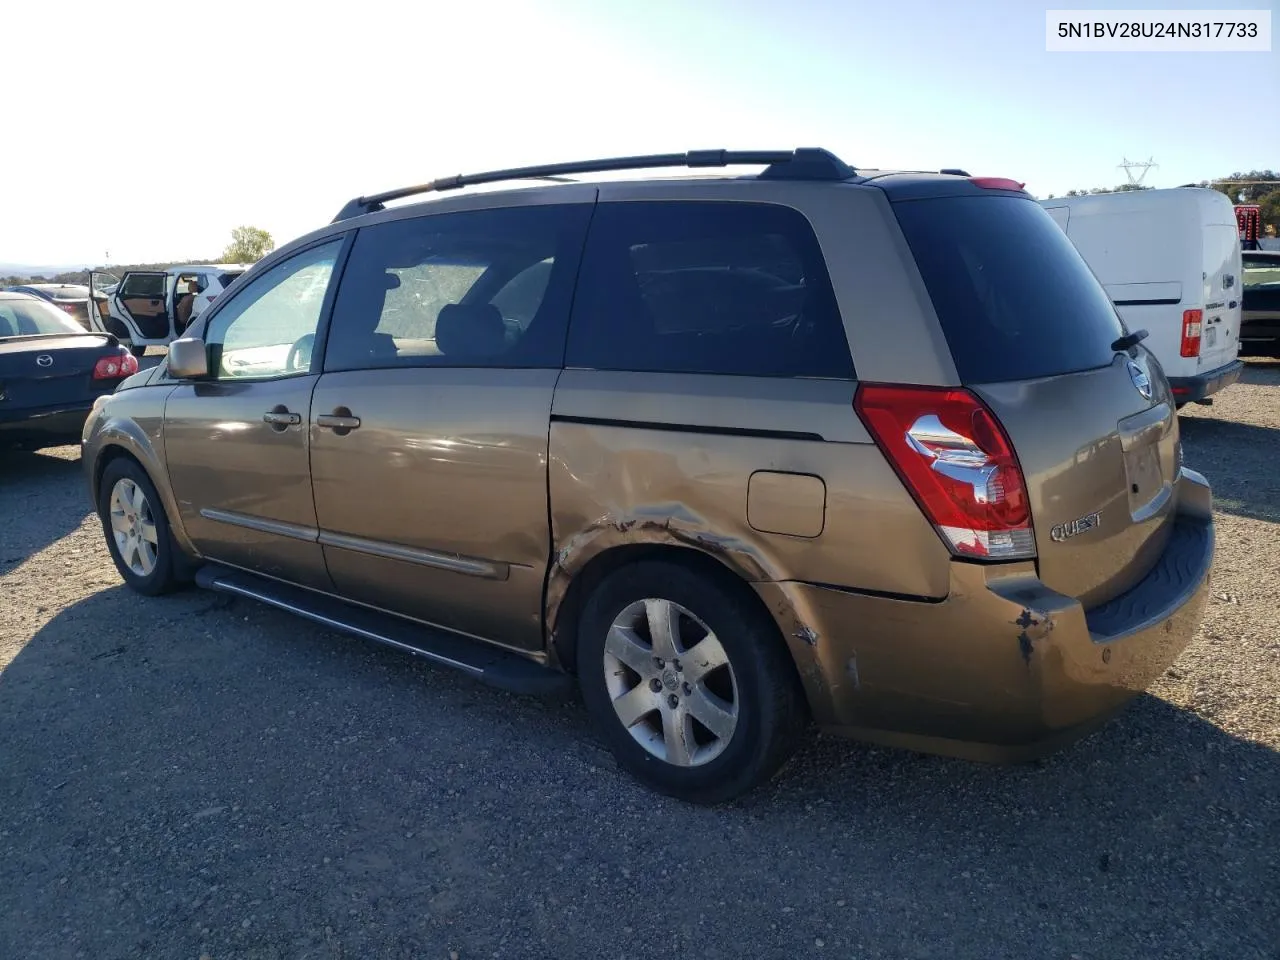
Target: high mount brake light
{"type": "Point", "coordinates": [958, 464]}
{"type": "Point", "coordinates": [996, 183]}
{"type": "Point", "coordinates": [123, 364]}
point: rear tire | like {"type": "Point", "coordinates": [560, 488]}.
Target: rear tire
{"type": "Point", "coordinates": [691, 687]}
{"type": "Point", "coordinates": [136, 528]}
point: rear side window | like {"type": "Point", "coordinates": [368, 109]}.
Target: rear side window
{"type": "Point", "coordinates": [1015, 299]}
{"type": "Point", "coordinates": [143, 285]}
{"type": "Point", "coordinates": [706, 287]}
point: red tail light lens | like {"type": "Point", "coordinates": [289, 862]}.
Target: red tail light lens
{"type": "Point", "coordinates": [1191, 325]}
{"type": "Point", "coordinates": [124, 364]}
{"type": "Point", "coordinates": [956, 461]}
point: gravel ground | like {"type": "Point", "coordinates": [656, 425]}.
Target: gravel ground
{"type": "Point", "coordinates": [192, 776]}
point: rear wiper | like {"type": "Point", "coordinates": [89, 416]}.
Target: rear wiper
{"type": "Point", "coordinates": [1129, 340]}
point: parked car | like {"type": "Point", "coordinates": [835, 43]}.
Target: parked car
{"type": "Point", "coordinates": [1170, 260]}
{"type": "Point", "coordinates": [71, 298]}
{"type": "Point", "coordinates": [868, 449]}
{"type": "Point", "coordinates": [51, 372]}
{"type": "Point", "coordinates": [145, 308]}
{"type": "Point", "coordinates": [1260, 319]}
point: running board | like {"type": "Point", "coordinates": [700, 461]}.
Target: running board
{"type": "Point", "coordinates": [491, 665]}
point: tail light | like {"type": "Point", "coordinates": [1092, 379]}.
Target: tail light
{"type": "Point", "coordinates": [70, 308]}
{"type": "Point", "coordinates": [116, 367]}
{"type": "Point", "coordinates": [1191, 325]}
{"type": "Point", "coordinates": [958, 464]}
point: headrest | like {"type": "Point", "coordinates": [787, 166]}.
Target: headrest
{"type": "Point", "coordinates": [470, 330]}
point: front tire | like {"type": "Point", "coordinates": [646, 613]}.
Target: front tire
{"type": "Point", "coordinates": [690, 685]}
{"type": "Point", "coordinates": [136, 528]}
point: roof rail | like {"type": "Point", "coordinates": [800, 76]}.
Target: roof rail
{"type": "Point", "coordinates": [805, 163]}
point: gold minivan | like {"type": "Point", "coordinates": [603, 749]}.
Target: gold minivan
{"type": "Point", "coordinates": [861, 449]}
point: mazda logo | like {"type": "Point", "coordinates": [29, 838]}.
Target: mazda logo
{"type": "Point", "coordinates": [44, 360]}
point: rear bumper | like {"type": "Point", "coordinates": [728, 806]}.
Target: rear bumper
{"type": "Point", "coordinates": [1005, 668]}
{"type": "Point", "coordinates": [1202, 385]}
{"type": "Point", "coordinates": [62, 424]}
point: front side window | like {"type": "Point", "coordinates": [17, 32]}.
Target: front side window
{"type": "Point", "coordinates": [481, 288]}
{"type": "Point", "coordinates": [268, 329]}
{"type": "Point", "coordinates": [739, 289]}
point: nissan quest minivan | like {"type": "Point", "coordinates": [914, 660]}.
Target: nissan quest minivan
{"type": "Point", "coordinates": [736, 454]}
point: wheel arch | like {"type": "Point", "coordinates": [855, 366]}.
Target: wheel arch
{"type": "Point", "coordinates": [125, 439]}
{"type": "Point", "coordinates": [568, 590]}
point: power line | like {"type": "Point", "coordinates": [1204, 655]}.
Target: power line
{"type": "Point", "coordinates": [1128, 166]}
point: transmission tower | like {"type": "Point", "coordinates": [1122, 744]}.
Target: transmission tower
{"type": "Point", "coordinates": [1128, 166]}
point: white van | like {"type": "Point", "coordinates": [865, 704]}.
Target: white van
{"type": "Point", "coordinates": [1170, 260]}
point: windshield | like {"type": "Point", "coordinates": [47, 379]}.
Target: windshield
{"type": "Point", "coordinates": [1262, 273]}
{"type": "Point", "coordinates": [24, 318]}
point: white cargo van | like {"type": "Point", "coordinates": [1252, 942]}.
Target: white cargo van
{"type": "Point", "coordinates": [1170, 260]}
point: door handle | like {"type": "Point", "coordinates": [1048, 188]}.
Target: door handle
{"type": "Point", "coordinates": [282, 418]}
{"type": "Point", "coordinates": [340, 421]}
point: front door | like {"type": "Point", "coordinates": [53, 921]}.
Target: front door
{"type": "Point", "coordinates": [237, 442]}
{"type": "Point", "coordinates": [429, 425]}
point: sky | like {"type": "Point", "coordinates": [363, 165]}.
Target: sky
{"type": "Point", "coordinates": [153, 132]}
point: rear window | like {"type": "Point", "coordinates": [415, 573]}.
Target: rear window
{"type": "Point", "coordinates": [1015, 299]}
{"type": "Point", "coordinates": [24, 318]}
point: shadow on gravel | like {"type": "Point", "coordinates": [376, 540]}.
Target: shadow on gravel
{"type": "Point", "coordinates": [25, 479]}
{"type": "Point", "coordinates": [1240, 460]}
{"type": "Point", "coordinates": [191, 774]}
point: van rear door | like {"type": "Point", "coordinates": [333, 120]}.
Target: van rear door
{"type": "Point", "coordinates": [1031, 331]}
{"type": "Point", "coordinates": [1220, 332]}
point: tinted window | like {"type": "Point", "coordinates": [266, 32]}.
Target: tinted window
{"type": "Point", "coordinates": [706, 287]}
{"type": "Point", "coordinates": [268, 328]}
{"type": "Point", "coordinates": [487, 288]}
{"type": "Point", "coordinates": [1015, 299]}
{"type": "Point", "coordinates": [20, 318]}
{"type": "Point", "coordinates": [143, 285]}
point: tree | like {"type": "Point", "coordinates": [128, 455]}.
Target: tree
{"type": "Point", "coordinates": [248, 245]}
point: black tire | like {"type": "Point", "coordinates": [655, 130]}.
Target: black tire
{"type": "Point", "coordinates": [138, 351]}
{"type": "Point", "coordinates": [771, 710]}
{"type": "Point", "coordinates": [163, 576]}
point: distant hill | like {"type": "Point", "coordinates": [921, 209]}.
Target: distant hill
{"type": "Point", "coordinates": [12, 274]}
{"type": "Point", "coordinates": [45, 270]}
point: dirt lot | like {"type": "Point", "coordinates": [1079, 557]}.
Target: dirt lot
{"type": "Point", "coordinates": [191, 776]}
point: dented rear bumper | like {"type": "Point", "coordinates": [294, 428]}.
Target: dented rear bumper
{"type": "Point", "coordinates": [1003, 668]}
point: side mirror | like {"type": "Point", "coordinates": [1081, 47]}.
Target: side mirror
{"type": "Point", "coordinates": [188, 359]}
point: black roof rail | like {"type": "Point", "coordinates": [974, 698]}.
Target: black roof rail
{"type": "Point", "coordinates": [805, 163]}
{"type": "Point", "coordinates": [955, 172]}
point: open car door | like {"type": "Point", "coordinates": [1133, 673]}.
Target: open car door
{"type": "Point", "coordinates": [101, 286]}
{"type": "Point", "coordinates": [140, 303]}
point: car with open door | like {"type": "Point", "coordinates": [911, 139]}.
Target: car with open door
{"type": "Point", "coordinates": [740, 454]}
{"type": "Point", "coordinates": [51, 372]}
{"type": "Point", "coordinates": [149, 308]}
